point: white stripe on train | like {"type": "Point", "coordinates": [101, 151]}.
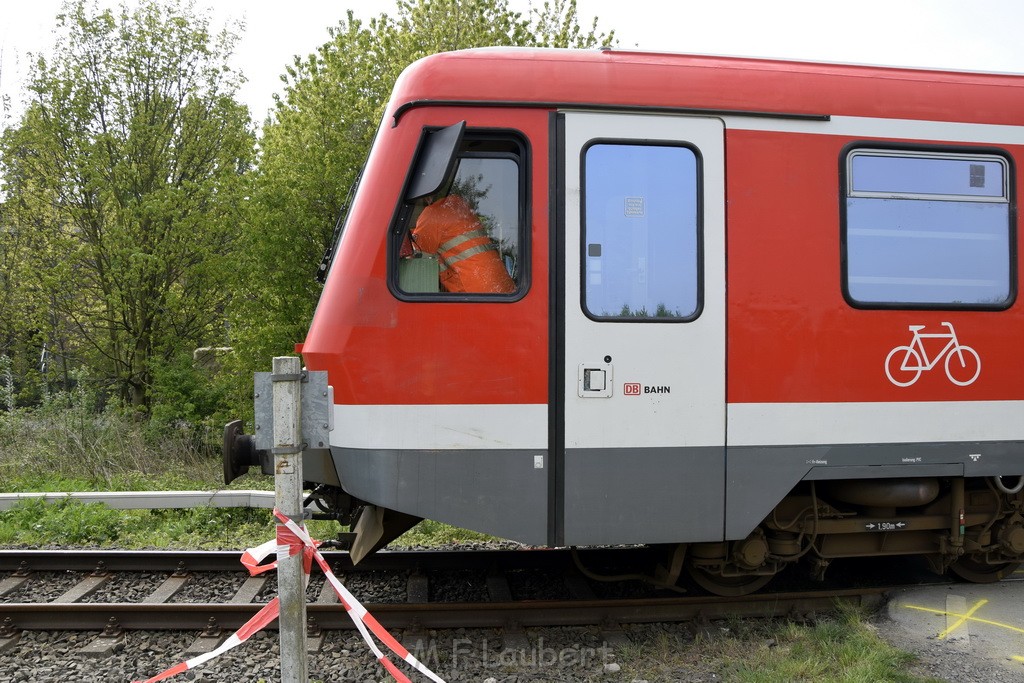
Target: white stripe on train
{"type": "Point", "coordinates": [524, 426]}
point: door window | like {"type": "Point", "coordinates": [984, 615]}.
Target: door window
{"type": "Point", "coordinates": [641, 233]}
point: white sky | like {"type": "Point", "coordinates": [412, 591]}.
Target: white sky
{"type": "Point", "coordinates": [958, 34]}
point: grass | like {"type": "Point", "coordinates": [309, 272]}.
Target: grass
{"type": "Point", "coordinates": [840, 648]}
{"type": "Point", "coordinates": [430, 533]}
{"type": "Point", "coordinates": [57, 447]}
{"type": "Point", "coordinates": [71, 448]}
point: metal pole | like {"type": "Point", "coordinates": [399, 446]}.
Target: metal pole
{"type": "Point", "coordinates": [287, 402]}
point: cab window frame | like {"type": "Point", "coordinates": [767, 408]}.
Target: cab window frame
{"type": "Point", "coordinates": [475, 143]}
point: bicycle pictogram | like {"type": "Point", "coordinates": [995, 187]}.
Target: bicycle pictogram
{"type": "Point", "coordinates": [904, 364]}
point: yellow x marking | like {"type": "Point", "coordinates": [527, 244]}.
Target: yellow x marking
{"type": "Point", "coordinates": [963, 618]}
{"type": "Point", "coordinates": [968, 617]}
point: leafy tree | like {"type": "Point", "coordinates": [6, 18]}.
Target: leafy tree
{"type": "Point", "coordinates": [29, 322]}
{"type": "Point", "coordinates": [430, 26]}
{"type": "Point", "coordinates": [5, 97]}
{"type": "Point", "coordinates": [320, 131]}
{"type": "Point", "coordinates": [124, 178]}
{"type": "Point", "coordinates": [556, 24]}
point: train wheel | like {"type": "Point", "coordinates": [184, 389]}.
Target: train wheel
{"type": "Point", "coordinates": [976, 571]}
{"type": "Point", "coordinates": [729, 586]}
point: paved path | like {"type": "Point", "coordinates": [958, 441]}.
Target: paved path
{"type": "Point", "coordinates": [979, 621]}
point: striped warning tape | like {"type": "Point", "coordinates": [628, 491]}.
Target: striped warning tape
{"type": "Point", "coordinates": [292, 539]}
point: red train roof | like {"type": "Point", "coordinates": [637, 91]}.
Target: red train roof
{"type": "Point", "coordinates": [614, 78]}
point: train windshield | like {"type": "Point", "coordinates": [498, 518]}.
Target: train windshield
{"type": "Point", "coordinates": [465, 235]}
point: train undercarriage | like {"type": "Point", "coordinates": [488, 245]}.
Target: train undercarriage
{"type": "Point", "coordinates": [973, 528]}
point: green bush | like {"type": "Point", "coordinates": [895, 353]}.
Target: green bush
{"type": "Point", "coordinates": [67, 443]}
{"type": "Point", "coordinates": [64, 522]}
{"type": "Point", "coordinates": [187, 396]}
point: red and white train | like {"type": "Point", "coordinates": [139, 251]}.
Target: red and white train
{"type": "Point", "coordinates": [756, 310]}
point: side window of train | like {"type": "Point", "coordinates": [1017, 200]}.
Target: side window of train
{"type": "Point", "coordinates": [927, 229]}
{"type": "Point", "coordinates": [641, 232]}
{"type": "Point", "coordinates": [462, 234]}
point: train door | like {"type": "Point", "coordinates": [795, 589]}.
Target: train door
{"type": "Point", "coordinates": [644, 329]}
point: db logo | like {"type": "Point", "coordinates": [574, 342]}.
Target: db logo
{"type": "Point", "coordinates": [631, 389]}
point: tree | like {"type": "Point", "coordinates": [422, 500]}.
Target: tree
{"type": "Point", "coordinates": [126, 174]}
{"type": "Point", "coordinates": [5, 98]}
{"type": "Point", "coordinates": [319, 134]}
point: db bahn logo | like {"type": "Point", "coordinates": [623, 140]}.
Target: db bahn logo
{"type": "Point", "coordinates": [635, 389]}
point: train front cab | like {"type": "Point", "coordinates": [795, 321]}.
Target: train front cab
{"type": "Point", "coordinates": [738, 364]}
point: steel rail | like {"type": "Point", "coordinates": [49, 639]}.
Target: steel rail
{"type": "Point", "coordinates": [192, 616]}
{"type": "Point", "coordinates": [204, 560]}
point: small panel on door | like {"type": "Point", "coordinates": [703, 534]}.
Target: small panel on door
{"type": "Point", "coordinates": [595, 380]}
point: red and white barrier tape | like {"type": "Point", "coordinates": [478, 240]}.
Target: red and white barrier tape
{"type": "Point", "coordinates": [292, 539]}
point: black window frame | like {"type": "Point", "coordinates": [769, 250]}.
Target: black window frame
{"type": "Point", "coordinates": [922, 151]}
{"type": "Point", "coordinates": [632, 142]}
{"type": "Point", "coordinates": [401, 222]}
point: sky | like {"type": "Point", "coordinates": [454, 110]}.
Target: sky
{"type": "Point", "coordinates": [948, 34]}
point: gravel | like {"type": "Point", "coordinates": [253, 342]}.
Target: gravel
{"type": "Point", "coordinates": [460, 585]}
{"type": "Point", "coordinates": [127, 587]}
{"type": "Point", "coordinates": [269, 590]}
{"type": "Point", "coordinates": [559, 654]}
{"type": "Point", "coordinates": [376, 586]}
{"type": "Point", "coordinates": [527, 584]}
{"type": "Point", "coordinates": [566, 654]}
{"type": "Point", "coordinates": [213, 587]}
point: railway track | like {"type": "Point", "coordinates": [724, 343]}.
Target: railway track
{"type": "Point", "coordinates": [58, 622]}
{"type": "Point", "coordinates": [512, 589]}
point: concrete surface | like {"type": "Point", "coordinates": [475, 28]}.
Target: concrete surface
{"type": "Point", "coordinates": [979, 621]}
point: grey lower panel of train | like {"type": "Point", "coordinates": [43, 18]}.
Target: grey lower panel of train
{"type": "Point", "coordinates": [641, 495]}
{"type": "Point", "coordinates": [760, 476]}
{"type": "Point", "coordinates": [504, 493]}
{"type": "Point", "coordinates": [611, 496]}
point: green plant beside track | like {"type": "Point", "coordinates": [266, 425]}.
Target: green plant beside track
{"type": "Point", "coordinates": [842, 648]}
{"type": "Point", "coordinates": [66, 445]}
